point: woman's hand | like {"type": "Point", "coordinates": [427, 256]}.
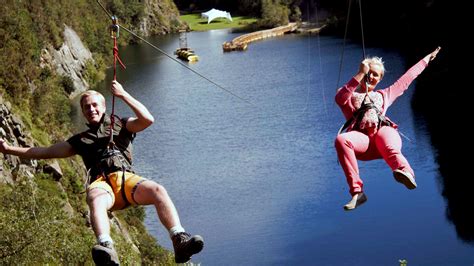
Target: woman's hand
{"type": "Point", "coordinates": [364, 67]}
{"type": "Point", "coordinates": [430, 57]}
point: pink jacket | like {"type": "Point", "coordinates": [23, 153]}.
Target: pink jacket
{"type": "Point", "coordinates": [390, 94]}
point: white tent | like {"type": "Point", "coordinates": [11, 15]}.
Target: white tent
{"type": "Point", "coordinates": [215, 13]}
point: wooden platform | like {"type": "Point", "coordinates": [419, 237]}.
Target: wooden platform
{"type": "Point", "coordinates": [240, 43]}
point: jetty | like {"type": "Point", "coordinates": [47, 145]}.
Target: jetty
{"type": "Point", "coordinates": [310, 28]}
{"type": "Point", "coordinates": [240, 43]}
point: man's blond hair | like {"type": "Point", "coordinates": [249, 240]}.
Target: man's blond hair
{"type": "Point", "coordinates": [91, 93]}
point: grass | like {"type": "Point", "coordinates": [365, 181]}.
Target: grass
{"type": "Point", "coordinates": [196, 23]}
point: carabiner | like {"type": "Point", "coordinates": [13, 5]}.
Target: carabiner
{"type": "Point", "coordinates": [114, 28]}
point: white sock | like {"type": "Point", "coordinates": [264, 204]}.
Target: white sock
{"type": "Point", "coordinates": [104, 238]}
{"type": "Point", "coordinates": [176, 229]}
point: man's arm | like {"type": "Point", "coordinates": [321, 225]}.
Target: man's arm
{"type": "Point", "coordinates": [58, 150]}
{"type": "Point", "coordinates": [144, 118]}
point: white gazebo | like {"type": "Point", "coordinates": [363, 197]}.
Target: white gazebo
{"type": "Point", "coordinates": [215, 13]}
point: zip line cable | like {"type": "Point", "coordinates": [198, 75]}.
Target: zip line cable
{"type": "Point", "coordinates": [174, 59]}
{"type": "Point", "coordinates": [194, 71]}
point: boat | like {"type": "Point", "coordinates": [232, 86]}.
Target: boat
{"type": "Point", "coordinates": [186, 54]}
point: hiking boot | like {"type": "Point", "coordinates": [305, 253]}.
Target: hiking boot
{"type": "Point", "coordinates": [405, 178]}
{"type": "Point", "coordinates": [105, 254]}
{"type": "Point", "coordinates": [357, 200]}
{"type": "Point", "coordinates": [185, 246]}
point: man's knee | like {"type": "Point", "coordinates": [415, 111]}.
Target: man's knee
{"type": "Point", "coordinates": [96, 195]}
{"type": "Point", "coordinates": [159, 190]}
{"type": "Point", "coordinates": [150, 192]}
{"type": "Point", "coordinates": [156, 191]}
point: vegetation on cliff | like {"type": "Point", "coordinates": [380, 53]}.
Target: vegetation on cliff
{"type": "Point", "coordinates": [43, 218]}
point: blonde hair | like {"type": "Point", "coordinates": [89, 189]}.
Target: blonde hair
{"type": "Point", "coordinates": [375, 60]}
{"type": "Point", "coordinates": [91, 93]}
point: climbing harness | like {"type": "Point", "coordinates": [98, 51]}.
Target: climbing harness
{"type": "Point", "coordinates": [356, 118]}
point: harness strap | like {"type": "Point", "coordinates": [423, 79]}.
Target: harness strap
{"type": "Point", "coordinates": [359, 114]}
{"type": "Point", "coordinates": [122, 190]}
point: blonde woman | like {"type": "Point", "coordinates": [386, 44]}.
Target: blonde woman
{"type": "Point", "coordinates": [369, 134]}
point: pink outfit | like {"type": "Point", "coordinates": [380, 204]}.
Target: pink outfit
{"type": "Point", "coordinates": [370, 117]}
{"type": "Point", "coordinates": [385, 143]}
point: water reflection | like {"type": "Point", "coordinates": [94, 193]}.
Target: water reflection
{"type": "Point", "coordinates": [245, 177]}
{"type": "Point", "coordinates": [438, 103]}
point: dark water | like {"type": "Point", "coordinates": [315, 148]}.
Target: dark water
{"type": "Point", "coordinates": [261, 181]}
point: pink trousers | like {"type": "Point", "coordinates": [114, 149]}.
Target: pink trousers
{"type": "Point", "coordinates": [354, 145]}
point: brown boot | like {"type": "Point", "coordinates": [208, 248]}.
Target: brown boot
{"type": "Point", "coordinates": [105, 254]}
{"type": "Point", "coordinates": [185, 246]}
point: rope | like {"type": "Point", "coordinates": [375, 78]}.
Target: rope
{"type": "Point", "coordinates": [303, 110]}
{"type": "Point", "coordinates": [116, 59]}
{"type": "Point", "coordinates": [344, 43]}
{"type": "Point", "coordinates": [308, 86]}
{"type": "Point", "coordinates": [177, 61]}
{"type": "Point", "coordinates": [321, 63]}
{"type": "Point", "coordinates": [362, 29]}
{"type": "Point", "coordinates": [345, 37]}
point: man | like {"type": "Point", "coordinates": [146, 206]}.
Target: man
{"type": "Point", "coordinates": [113, 184]}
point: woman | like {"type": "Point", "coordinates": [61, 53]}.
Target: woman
{"type": "Point", "coordinates": [369, 134]}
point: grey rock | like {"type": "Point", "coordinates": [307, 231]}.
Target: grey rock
{"type": "Point", "coordinates": [54, 169]}
{"type": "Point", "coordinates": [70, 60]}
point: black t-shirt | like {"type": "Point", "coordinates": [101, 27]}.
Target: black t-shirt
{"type": "Point", "coordinates": [92, 143]}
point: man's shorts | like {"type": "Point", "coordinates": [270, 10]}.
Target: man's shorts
{"type": "Point", "coordinates": [113, 185]}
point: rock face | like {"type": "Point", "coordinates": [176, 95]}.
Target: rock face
{"type": "Point", "coordinates": [12, 131]}
{"type": "Point", "coordinates": [70, 60]}
{"type": "Point", "coordinates": [161, 17]}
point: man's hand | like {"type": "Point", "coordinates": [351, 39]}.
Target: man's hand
{"type": "Point", "coordinates": [118, 90]}
{"type": "Point", "coordinates": [3, 146]}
